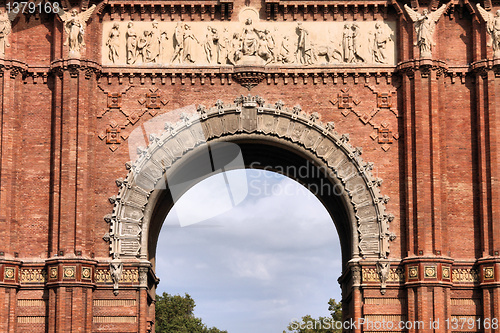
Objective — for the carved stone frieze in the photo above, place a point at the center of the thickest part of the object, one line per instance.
(33, 276)
(249, 115)
(464, 275)
(248, 42)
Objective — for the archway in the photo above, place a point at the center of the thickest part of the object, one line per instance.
(265, 135)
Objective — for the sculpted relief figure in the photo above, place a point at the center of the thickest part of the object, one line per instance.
(188, 44)
(113, 43)
(154, 41)
(5, 29)
(356, 44)
(74, 25)
(178, 40)
(492, 28)
(347, 44)
(304, 47)
(131, 44)
(234, 51)
(209, 44)
(380, 40)
(425, 25)
(250, 42)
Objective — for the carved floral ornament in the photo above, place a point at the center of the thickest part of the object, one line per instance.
(247, 115)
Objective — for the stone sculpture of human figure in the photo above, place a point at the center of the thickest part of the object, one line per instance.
(224, 46)
(178, 40)
(132, 40)
(380, 40)
(347, 44)
(304, 47)
(234, 51)
(356, 45)
(209, 45)
(74, 25)
(250, 40)
(285, 51)
(113, 43)
(5, 29)
(270, 45)
(492, 28)
(142, 45)
(188, 44)
(154, 43)
(425, 24)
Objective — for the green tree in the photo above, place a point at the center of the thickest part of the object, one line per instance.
(309, 324)
(174, 314)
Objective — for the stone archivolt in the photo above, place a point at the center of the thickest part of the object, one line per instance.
(253, 116)
(248, 42)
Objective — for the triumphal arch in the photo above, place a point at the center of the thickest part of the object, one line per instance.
(112, 109)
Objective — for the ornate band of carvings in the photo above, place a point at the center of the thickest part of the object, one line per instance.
(249, 115)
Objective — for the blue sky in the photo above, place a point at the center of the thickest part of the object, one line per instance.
(254, 266)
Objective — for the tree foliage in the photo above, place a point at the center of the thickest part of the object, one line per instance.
(174, 314)
(309, 324)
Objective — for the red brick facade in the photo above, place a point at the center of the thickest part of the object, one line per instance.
(434, 141)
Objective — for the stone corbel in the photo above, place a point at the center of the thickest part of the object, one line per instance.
(383, 269)
(116, 270)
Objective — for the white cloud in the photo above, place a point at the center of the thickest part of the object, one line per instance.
(270, 259)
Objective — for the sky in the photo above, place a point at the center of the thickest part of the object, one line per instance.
(254, 255)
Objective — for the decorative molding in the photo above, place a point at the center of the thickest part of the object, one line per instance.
(464, 275)
(114, 134)
(372, 222)
(32, 319)
(114, 320)
(32, 302)
(394, 275)
(383, 133)
(115, 302)
(33, 276)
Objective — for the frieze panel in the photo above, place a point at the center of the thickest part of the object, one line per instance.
(464, 275)
(33, 276)
(250, 41)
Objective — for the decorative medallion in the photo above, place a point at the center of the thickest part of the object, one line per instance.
(446, 273)
(489, 273)
(53, 273)
(10, 273)
(87, 273)
(69, 272)
(430, 272)
(413, 273)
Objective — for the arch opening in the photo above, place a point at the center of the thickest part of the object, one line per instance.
(267, 136)
(273, 257)
(268, 155)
